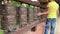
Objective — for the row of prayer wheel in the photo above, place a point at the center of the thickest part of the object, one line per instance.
(12, 15)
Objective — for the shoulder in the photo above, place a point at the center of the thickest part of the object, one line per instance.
(57, 4)
(48, 5)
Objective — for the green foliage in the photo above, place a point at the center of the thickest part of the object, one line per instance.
(17, 25)
(25, 5)
(1, 31)
(15, 3)
(31, 6)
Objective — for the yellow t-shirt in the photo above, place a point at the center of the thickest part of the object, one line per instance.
(53, 9)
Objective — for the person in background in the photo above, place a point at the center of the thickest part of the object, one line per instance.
(53, 11)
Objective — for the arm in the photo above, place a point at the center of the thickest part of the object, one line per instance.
(58, 12)
(47, 12)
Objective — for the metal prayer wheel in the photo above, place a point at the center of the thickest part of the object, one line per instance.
(38, 9)
(23, 15)
(9, 18)
(35, 13)
(0, 13)
(30, 15)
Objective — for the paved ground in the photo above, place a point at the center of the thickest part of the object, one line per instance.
(57, 31)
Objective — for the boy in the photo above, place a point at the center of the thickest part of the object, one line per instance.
(51, 17)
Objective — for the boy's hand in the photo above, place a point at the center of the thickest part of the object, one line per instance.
(39, 14)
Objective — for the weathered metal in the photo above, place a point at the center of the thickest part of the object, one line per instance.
(2, 20)
(0, 11)
(9, 18)
(23, 15)
(30, 15)
(11, 11)
(17, 16)
(35, 13)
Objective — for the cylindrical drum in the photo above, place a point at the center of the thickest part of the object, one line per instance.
(3, 20)
(23, 15)
(30, 15)
(35, 13)
(9, 18)
(17, 15)
(0, 13)
(0, 21)
(42, 17)
(38, 9)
